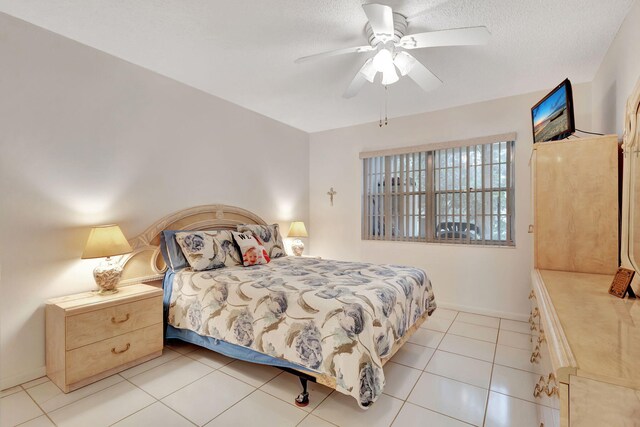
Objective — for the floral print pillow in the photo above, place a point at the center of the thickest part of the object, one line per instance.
(206, 250)
(268, 236)
(253, 253)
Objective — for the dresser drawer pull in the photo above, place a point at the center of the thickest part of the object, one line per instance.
(535, 355)
(532, 295)
(543, 386)
(114, 351)
(551, 392)
(114, 321)
(539, 387)
(554, 389)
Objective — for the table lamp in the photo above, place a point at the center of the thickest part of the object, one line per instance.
(297, 230)
(106, 241)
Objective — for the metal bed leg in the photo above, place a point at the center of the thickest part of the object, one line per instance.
(303, 398)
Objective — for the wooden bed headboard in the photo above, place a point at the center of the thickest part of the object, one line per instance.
(145, 264)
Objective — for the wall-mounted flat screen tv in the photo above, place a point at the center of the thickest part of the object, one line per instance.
(552, 117)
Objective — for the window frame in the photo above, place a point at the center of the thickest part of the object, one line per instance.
(390, 202)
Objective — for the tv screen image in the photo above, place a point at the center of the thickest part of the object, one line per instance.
(553, 115)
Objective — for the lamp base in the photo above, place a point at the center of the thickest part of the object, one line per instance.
(297, 247)
(107, 275)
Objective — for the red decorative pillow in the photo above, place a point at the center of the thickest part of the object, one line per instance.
(253, 253)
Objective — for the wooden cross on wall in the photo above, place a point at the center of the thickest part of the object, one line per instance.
(331, 193)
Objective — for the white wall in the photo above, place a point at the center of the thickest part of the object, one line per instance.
(86, 138)
(617, 76)
(479, 279)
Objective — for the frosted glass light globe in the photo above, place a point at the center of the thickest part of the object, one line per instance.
(382, 60)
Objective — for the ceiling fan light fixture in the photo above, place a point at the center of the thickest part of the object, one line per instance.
(389, 76)
(368, 71)
(382, 60)
(404, 62)
(386, 32)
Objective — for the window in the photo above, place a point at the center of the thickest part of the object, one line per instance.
(457, 194)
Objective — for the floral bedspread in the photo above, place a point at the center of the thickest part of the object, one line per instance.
(336, 318)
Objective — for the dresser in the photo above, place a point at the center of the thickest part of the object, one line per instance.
(585, 342)
(91, 336)
(586, 348)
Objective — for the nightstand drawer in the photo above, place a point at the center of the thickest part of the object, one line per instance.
(97, 325)
(95, 358)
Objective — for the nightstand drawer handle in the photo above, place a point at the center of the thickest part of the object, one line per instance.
(114, 351)
(113, 319)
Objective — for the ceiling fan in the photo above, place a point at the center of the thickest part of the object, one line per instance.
(386, 32)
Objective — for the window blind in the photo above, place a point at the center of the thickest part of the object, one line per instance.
(460, 194)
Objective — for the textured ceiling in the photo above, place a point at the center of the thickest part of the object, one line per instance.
(243, 50)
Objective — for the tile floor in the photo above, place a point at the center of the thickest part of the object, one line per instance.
(460, 369)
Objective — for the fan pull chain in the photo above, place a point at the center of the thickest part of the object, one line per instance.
(386, 102)
(380, 121)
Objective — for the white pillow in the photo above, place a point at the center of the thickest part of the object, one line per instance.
(253, 253)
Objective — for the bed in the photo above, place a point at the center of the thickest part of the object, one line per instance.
(333, 322)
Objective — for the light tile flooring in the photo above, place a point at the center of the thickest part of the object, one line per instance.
(460, 369)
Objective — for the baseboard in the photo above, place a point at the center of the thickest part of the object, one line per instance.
(22, 378)
(493, 313)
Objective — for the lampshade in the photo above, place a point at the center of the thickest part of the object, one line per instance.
(297, 229)
(106, 241)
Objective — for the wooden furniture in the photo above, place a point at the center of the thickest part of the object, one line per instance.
(587, 349)
(586, 342)
(145, 263)
(576, 205)
(91, 336)
(630, 242)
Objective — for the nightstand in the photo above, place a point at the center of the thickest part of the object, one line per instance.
(91, 336)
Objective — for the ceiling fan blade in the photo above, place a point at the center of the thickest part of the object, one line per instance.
(421, 75)
(366, 73)
(433, 4)
(381, 20)
(454, 37)
(355, 86)
(357, 49)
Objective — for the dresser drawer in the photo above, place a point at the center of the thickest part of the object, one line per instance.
(97, 325)
(95, 358)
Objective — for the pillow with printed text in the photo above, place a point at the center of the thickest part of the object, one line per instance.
(268, 236)
(253, 253)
